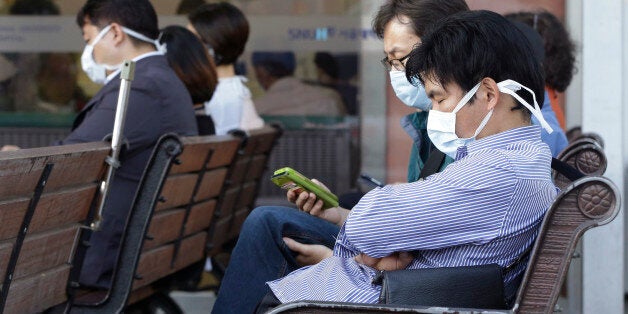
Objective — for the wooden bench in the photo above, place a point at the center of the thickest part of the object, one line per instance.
(45, 197)
(584, 155)
(586, 203)
(241, 188)
(211, 187)
(170, 217)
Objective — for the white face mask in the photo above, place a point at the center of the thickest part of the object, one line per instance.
(441, 126)
(413, 96)
(98, 72)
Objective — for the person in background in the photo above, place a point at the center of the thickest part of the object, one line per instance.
(559, 63)
(45, 82)
(287, 95)
(224, 30)
(329, 74)
(158, 103)
(58, 91)
(194, 66)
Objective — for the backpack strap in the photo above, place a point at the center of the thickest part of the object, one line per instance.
(433, 163)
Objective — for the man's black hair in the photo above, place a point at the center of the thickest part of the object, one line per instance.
(422, 13)
(469, 46)
(138, 15)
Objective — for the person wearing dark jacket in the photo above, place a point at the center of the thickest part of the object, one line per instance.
(158, 103)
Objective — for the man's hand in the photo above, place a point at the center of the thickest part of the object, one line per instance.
(9, 148)
(309, 203)
(395, 261)
(308, 254)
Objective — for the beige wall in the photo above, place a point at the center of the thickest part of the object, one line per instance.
(259, 7)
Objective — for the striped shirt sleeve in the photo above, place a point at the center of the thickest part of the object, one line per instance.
(462, 205)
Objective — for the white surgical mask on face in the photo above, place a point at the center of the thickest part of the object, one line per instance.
(98, 72)
(441, 126)
(413, 96)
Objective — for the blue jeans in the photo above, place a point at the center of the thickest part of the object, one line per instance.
(261, 255)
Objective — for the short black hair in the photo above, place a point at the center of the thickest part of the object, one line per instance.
(422, 13)
(224, 28)
(469, 46)
(138, 15)
(278, 64)
(327, 63)
(190, 60)
(560, 59)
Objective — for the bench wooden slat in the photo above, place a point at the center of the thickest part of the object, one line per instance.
(196, 149)
(220, 234)
(257, 166)
(239, 171)
(11, 215)
(41, 251)
(53, 210)
(154, 264)
(23, 168)
(41, 291)
(227, 152)
(200, 217)
(261, 141)
(164, 227)
(211, 184)
(177, 191)
(194, 248)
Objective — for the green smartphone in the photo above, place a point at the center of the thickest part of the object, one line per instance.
(288, 178)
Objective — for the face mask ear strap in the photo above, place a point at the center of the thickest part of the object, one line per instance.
(100, 35)
(141, 37)
(161, 47)
(483, 123)
(509, 87)
(465, 99)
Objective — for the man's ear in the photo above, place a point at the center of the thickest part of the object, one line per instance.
(489, 88)
(118, 33)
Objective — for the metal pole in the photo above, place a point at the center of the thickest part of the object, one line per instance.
(126, 77)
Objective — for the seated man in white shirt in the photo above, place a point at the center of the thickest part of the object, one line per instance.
(486, 207)
(287, 95)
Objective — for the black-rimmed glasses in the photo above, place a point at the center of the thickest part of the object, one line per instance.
(397, 64)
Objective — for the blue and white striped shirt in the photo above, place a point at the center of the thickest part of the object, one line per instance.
(484, 208)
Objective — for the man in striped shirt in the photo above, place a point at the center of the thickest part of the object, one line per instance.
(486, 207)
(274, 240)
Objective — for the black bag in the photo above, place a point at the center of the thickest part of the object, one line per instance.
(463, 287)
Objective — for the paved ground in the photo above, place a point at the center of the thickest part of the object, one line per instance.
(194, 302)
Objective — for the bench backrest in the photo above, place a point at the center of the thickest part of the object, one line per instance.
(589, 202)
(171, 214)
(241, 188)
(179, 226)
(45, 196)
(584, 155)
